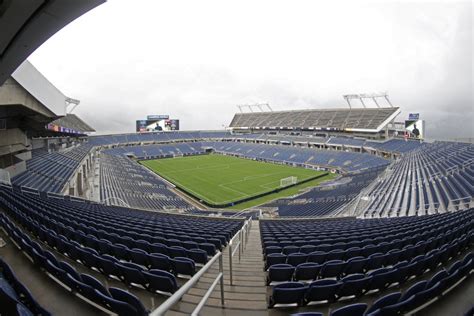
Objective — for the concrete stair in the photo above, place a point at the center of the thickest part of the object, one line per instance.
(248, 292)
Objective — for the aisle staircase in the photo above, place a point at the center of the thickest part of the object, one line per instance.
(248, 292)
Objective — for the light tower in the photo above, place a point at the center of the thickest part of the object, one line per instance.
(68, 103)
(362, 96)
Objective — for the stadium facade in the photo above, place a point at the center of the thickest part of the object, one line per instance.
(86, 228)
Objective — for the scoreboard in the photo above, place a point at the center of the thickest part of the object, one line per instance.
(414, 127)
(154, 123)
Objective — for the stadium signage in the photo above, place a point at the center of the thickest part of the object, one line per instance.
(61, 129)
(413, 116)
(157, 117)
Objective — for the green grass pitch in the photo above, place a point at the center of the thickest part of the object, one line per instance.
(219, 179)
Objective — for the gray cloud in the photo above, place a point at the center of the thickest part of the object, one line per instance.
(197, 64)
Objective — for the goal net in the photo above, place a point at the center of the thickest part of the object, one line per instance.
(288, 181)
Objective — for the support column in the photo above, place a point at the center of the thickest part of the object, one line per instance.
(79, 184)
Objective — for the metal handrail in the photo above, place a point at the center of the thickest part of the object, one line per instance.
(116, 198)
(243, 238)
(219, 278)
(231, 255)
(166, 305)
(462, 203)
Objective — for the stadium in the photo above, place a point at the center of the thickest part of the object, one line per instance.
(321, 211)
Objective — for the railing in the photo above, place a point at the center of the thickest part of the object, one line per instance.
(468, 162)
(459, 203)
(25, 189)
(109, 201)
(242, 235)
(166, 305)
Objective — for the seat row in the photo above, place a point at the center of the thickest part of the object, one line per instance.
(348, 227)
(123, 221)
(423, 291)
(15, 298)
(74, 242)
(84, 251)
(144, 242)
(373, 259)
(317, 245)
(339, 269)
(105, 227)
(198, 253)
(329, 290)
(84, 286)
(341, 233)
(159, 277)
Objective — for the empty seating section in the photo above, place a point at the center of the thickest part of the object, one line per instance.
(418, 219)
(348, 161)
(326, 200)
(124, 180)
(317, 261)
(356, 142)
(50, 171)
(158, 151)
(305, 119)
(116, 300)
(15, 298)
(395, 145)
(281, 138)
(123, 225)
(154, 137)
(392, 145)
(144, 249)
(436, 178)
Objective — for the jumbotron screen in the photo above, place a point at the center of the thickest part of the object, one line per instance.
(415, 129)
(155, 123)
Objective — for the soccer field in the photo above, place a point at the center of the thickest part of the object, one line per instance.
(219, 179)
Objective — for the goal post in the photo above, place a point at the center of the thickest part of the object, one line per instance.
(288, 181)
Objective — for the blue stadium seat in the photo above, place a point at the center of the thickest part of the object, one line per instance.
(322, 290)
(306, 271)
(162, 281)
(182, 265)
(387, 300)
(287, 293)
(274, 258)
(280, 272)
(130, 299)
(353, 285)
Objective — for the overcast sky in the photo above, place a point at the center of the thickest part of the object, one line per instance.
(196, 60)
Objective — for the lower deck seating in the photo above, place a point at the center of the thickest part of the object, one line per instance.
(51, 171)
(325, 200)
(435, 178)
(142, 249)
(310, 262)
(124, 180)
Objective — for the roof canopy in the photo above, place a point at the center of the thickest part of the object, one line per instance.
(26, 24)
(73, 122)
(355, 120)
